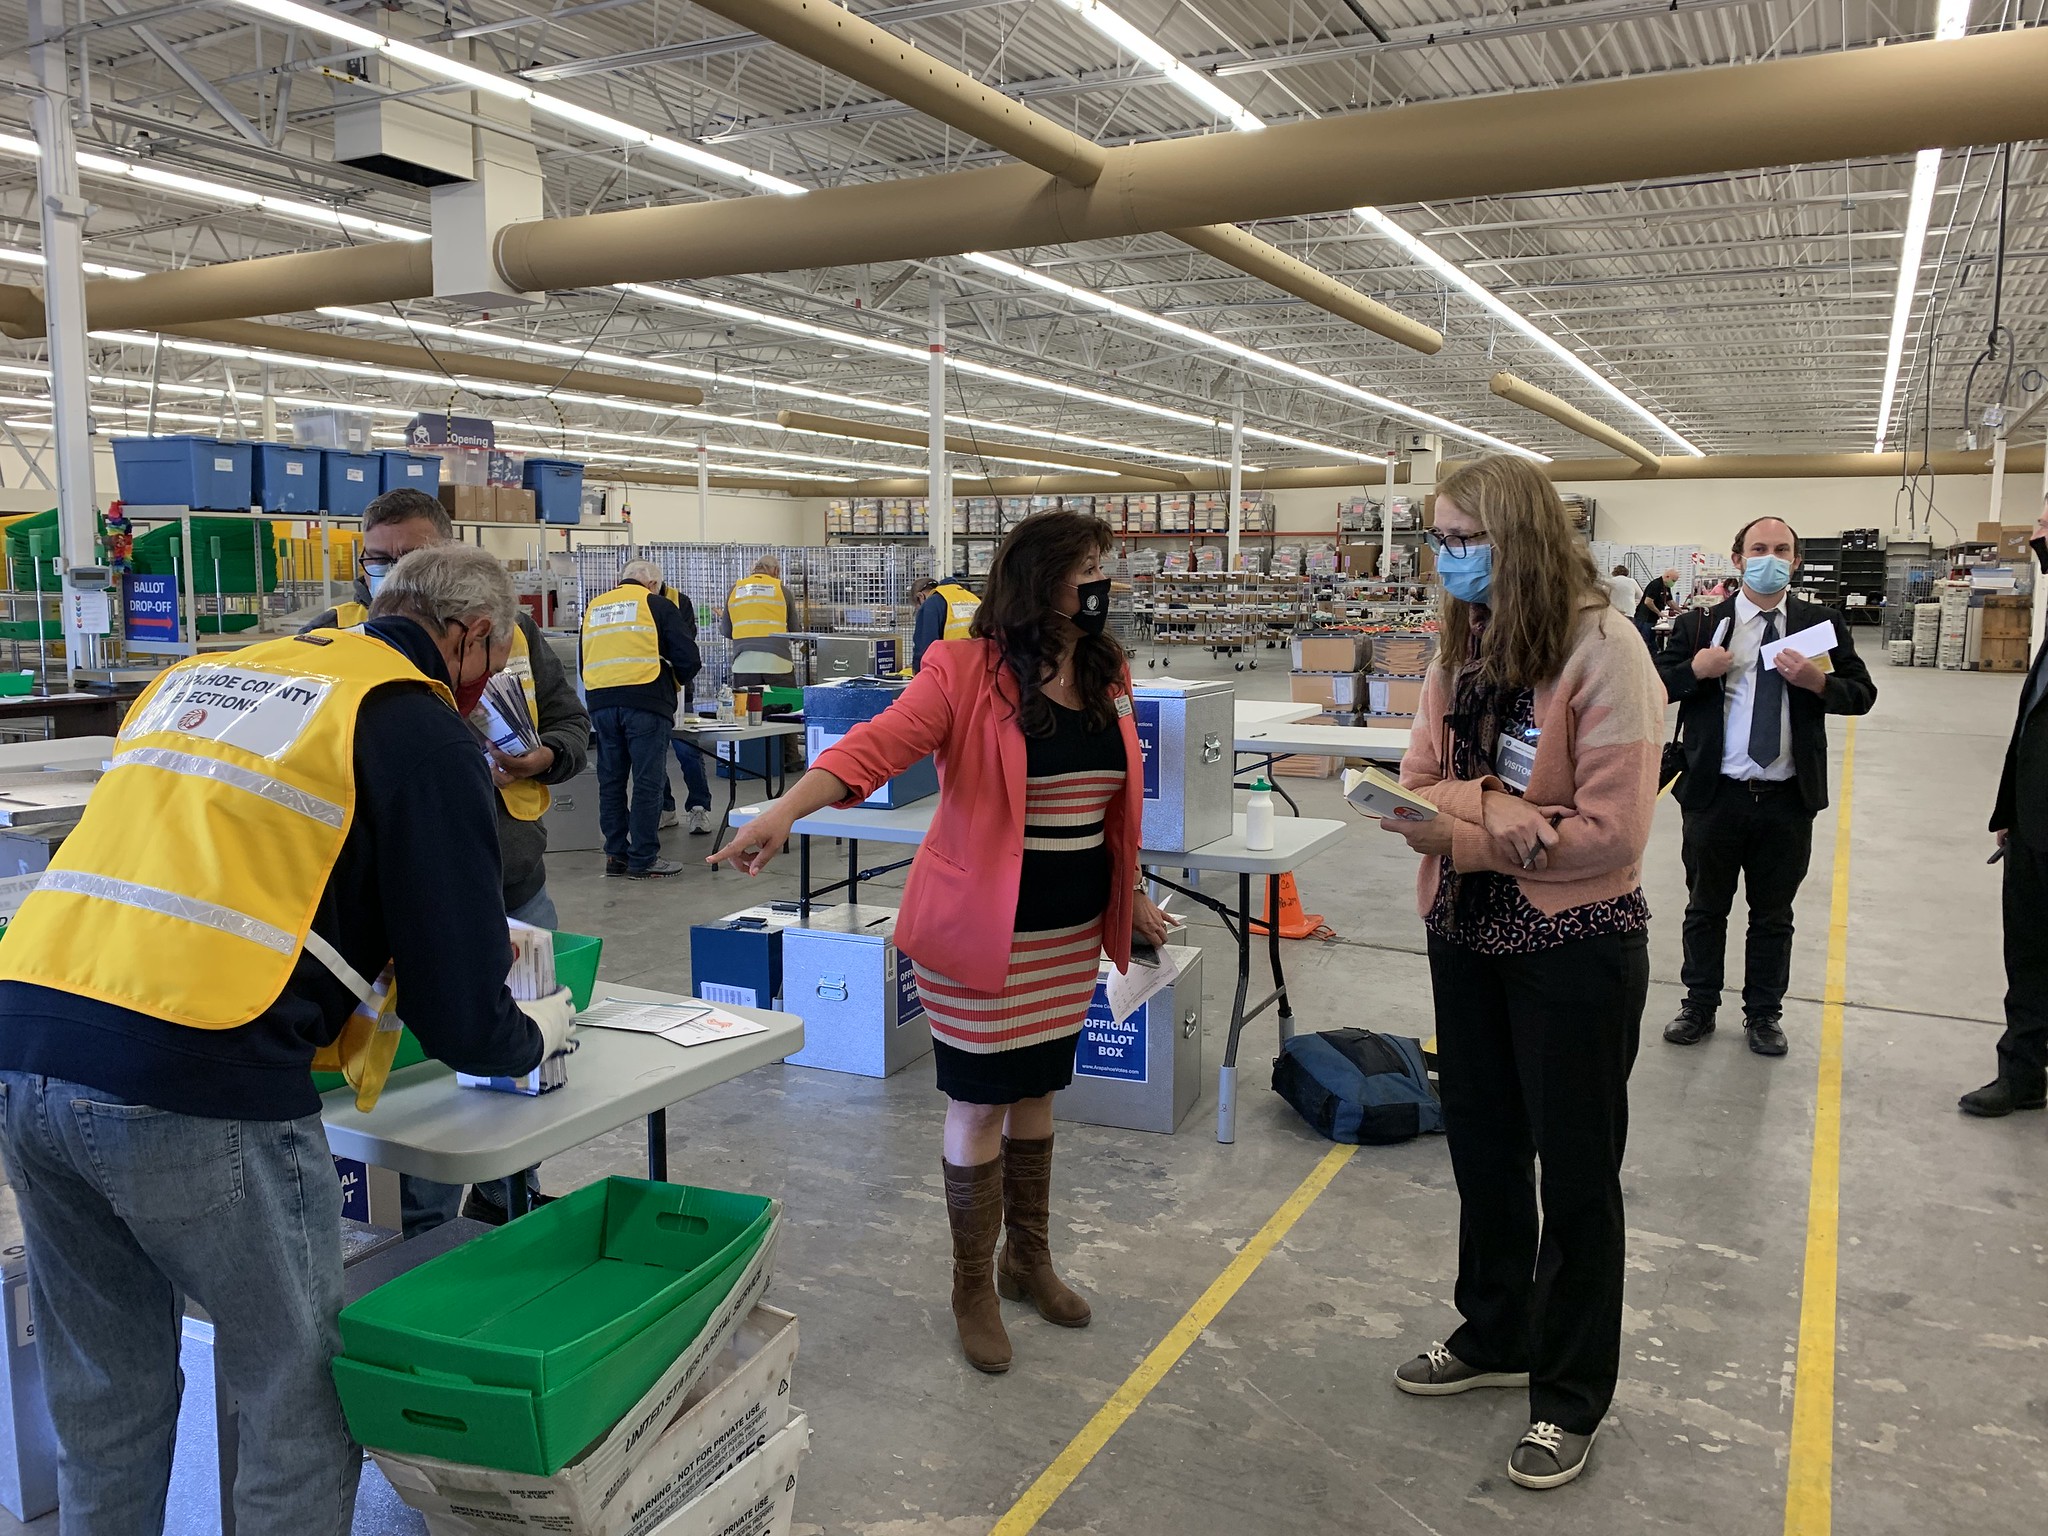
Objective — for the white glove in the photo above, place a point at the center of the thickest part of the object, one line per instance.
(554, 1016)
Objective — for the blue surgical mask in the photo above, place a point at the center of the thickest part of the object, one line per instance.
(1467, 577)
(373, 578)
(1765, 574)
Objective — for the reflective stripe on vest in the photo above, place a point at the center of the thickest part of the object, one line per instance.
(525, 799)
(960, 606)
(758, 606)
(190, 883)
(620, 646)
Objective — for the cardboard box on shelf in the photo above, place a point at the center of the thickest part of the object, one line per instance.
(1329, 690)
(2012, 543)
(1359, 559)
(469, 503)
(1989, 533)
(512, 504)
(1332, 653)
(1395, 695)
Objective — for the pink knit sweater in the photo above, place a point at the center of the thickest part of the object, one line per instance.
(1602, 724)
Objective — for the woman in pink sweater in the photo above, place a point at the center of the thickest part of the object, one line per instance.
(1537, 739)
(1028, 875)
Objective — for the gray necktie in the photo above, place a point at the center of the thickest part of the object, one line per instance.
(1768, 705)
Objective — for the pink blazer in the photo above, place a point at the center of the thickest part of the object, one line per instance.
(960, 903)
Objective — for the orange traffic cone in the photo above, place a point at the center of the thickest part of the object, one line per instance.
(1294, 923)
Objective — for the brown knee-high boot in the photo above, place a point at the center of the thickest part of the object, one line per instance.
(1025, 1270)
(974, 1206)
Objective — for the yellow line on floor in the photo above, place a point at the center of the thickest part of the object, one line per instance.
(1810, 1474)
(1040, 1497)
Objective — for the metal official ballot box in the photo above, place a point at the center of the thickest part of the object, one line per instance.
(856, 991)
(1142, 1073)
(1187, 732)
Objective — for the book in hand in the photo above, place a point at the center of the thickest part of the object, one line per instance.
(1375, 792)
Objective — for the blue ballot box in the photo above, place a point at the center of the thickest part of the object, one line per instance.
(738, 958)
(833, 709)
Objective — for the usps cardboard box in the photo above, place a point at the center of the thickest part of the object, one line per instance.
(593, 1486)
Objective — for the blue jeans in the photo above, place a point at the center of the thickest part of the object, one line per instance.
(632, 747)
(698, 788)
(129, 1210)
(424, 1204)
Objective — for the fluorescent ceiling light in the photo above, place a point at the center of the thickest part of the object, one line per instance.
(1190, 83)
(22, 258)
(426, 62)
(203, 189)
(1951, 21)
(1466, 284)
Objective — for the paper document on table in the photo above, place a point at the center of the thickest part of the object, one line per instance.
(640, 1018)
(714, 1026)
(1128, 991)
(1814, 642)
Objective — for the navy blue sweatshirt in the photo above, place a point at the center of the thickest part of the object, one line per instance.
(417, 883)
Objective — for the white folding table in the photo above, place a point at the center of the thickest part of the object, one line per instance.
(1296, 840)
(705, 736)
(1285, 738)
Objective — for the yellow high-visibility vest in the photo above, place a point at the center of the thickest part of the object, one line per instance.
(620, 646)
(960, 606)
(188, 889)
(525, 799)
(758, 606)
(350, 615)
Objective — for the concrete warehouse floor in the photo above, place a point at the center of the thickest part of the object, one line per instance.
(1280, 1417)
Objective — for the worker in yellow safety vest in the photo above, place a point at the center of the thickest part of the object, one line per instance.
(756, 620)
(394, 525)
(945, 611)
(292, 838)
(637, 655)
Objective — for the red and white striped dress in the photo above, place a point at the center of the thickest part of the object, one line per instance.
(1072, 776)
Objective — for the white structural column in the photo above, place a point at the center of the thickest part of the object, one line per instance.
(703, 490)
(939, 476)
(1234, 511)
(1387, 522)
(63, 219)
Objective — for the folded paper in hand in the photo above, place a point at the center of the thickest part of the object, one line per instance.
(1814, 642)
(507, 725)
(1375, 792)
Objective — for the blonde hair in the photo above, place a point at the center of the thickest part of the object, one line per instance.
(1543, 575)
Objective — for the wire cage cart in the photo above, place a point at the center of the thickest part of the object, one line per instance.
(1909, 577)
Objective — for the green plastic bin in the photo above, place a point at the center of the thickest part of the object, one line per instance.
(558, 1321)
(576, 957)
(161, 551)
(24, 557)
(424, 1413)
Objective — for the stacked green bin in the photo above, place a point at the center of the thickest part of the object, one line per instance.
(32, 544)
(522, 1348)
(161, 551)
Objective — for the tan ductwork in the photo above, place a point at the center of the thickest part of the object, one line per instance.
(832, 36)
(1308, 477)
(387, 354)
(1789, 466)
(1544, 403)
(1853, 105)
(840, 426)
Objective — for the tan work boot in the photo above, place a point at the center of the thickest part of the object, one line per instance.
(1025, 1272)
(974, 1206)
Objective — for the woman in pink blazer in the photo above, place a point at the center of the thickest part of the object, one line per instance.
(1028, 875)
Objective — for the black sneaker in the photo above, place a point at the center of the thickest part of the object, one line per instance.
(615, 866)
(1549, 1457)
(1765, 1038)
(2003, 1096)
(478, 1206)
(660, 869)
(1692, 1025)
(1438, 1373)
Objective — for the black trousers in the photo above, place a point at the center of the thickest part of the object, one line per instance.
(1533, 1057)
(2023, 1049)
(1764, 841)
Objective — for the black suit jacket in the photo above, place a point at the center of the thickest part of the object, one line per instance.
(2022, 806)
(1702, 708)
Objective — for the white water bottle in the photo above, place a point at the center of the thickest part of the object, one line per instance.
(1258, 817)
(725, 705)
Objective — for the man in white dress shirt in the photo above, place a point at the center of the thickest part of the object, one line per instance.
(1756, 774)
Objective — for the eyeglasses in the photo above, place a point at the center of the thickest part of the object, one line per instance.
(1454, 543)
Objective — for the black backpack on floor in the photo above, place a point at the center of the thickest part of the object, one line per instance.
(1352, 1085)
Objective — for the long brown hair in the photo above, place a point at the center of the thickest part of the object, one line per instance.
(1018, 612)
(1543, 575)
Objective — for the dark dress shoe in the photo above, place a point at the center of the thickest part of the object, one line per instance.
(1765, 1038)
(1692, 1025)
(2004, 1096)
(615, 866)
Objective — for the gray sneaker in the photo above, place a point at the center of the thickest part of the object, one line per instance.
(1548, 1457)
(1438, 1373)
(660, 869)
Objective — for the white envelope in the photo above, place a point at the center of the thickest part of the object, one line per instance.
(1813, 642)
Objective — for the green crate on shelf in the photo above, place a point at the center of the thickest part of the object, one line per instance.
(32, 553)
(161, 551)
(534, 1338)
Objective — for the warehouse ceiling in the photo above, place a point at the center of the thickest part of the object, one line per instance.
(1738, 313)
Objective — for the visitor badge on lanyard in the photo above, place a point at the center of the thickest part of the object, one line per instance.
(1514, 756)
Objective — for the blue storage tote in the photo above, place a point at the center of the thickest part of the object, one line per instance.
(416, 471)
(184, 471)
(831, 710)
(349, 482)
(286, 478)
(557, 486)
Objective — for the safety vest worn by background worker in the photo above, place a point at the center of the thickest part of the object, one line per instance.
(525, 799)
(189, 886)
(758, 606)
(620, 645)
(960, 606)
(350, 615)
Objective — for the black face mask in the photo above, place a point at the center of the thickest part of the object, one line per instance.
(2040, 548)
(1093, 614)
